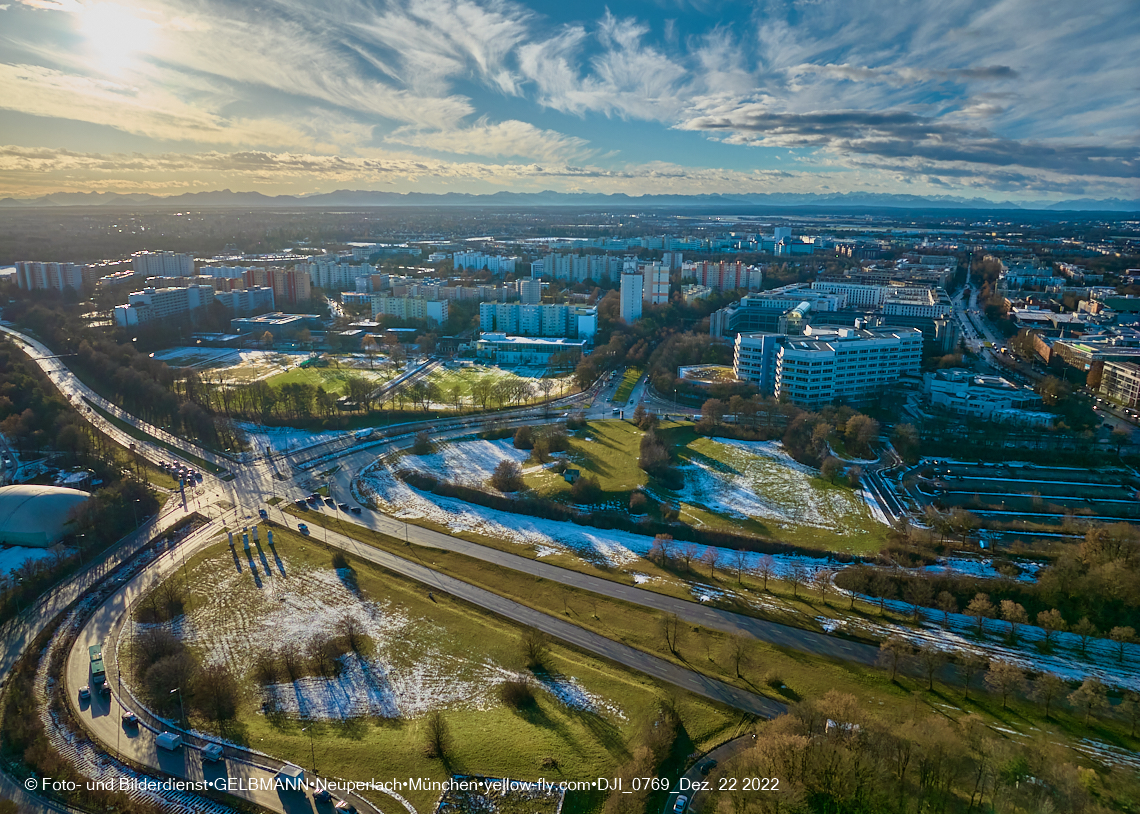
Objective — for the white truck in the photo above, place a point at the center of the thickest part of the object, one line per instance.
(169, 741)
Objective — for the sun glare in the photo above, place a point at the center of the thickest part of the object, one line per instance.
(115, 33)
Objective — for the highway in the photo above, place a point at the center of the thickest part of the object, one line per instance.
(251, 481)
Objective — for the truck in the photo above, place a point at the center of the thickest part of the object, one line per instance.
(98, 671)
(169, 741)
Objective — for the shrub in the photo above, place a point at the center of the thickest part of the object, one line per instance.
(586, 490)
(516, 694)
(524, 438)
(638, 503)
(507, 477)
(576, 422)
(774, 680)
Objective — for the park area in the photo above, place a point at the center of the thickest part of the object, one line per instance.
(232, 366)
(750, 487)
(367, 660)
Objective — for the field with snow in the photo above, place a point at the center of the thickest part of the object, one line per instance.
(12, 558)
(282, 439)
(244, 606)
(758, 481)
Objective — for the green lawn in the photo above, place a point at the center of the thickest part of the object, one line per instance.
(495, 740)
(804, 676)
(632, 374)
(331, 378)
(800, 508)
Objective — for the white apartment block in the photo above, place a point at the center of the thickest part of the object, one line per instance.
(578, 269)
(632, 294)
(409, 308)
(245, 301)
(163, 264)
(538, 320)
(828, 364)
(32, 276)
(477, 261)
(152, 304)
(336, 276)
(227, 272)
(655, 288)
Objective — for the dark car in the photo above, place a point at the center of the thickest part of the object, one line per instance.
(130, 719)
(322, 795)
(707, 766)
(314, 498)
(330, 502)
(301, 527)
(300, 504)
(356, 510)
(264, 515)
(343, 507)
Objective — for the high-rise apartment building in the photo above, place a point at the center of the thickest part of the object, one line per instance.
(530, 291)
(409, 308)
(163, 264)
(538, 320)
(655, 288)
(632, 293)
(32, 276)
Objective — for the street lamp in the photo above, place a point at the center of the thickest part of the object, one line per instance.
(181, 708)
(312, 749)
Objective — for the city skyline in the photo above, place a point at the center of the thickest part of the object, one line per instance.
(1006, 101)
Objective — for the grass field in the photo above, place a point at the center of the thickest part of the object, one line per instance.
(803, 676)
(629, 379)
(332, 379)
(737, 486)
(438, 653)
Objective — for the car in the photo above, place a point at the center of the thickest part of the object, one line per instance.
(343, 507)
(322, 795)
(304, 529)
(105, 689)
(707, 766)
(356, 510)
(264, 515)
(300, 504)
(330, 502)
(130, 719)
(314, 498)
(344, 805)
(212, 752)
(680, 804)
(84, 691)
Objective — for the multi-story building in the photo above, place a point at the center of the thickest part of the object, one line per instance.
(32, 276)
(827, 365)
(228, 272)
(632, 295)
(655, 289)
(278, 325)
(692, 293)
(500, 348)
(336, 276)
(725, 275)
(478, 261)
(579, 268)
(1120, 382)
(153, 304)
(409, 308)
(538, 320)
(990, 398)
(244, 301)
(530, 291)
(163, 264)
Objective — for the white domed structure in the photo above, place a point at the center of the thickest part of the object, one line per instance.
(37, 516)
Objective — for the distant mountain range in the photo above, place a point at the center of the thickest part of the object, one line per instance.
(362, 198)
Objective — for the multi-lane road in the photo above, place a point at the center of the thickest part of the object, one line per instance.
(246, 486)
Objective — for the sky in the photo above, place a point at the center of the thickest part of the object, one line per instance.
(999, 99)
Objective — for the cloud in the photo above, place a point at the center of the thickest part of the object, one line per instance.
(508, 139)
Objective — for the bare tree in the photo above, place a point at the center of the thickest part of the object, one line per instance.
(1014, 614)
(737, 651)
(931, 659)
(1085, 630)
(535, 647)
(688, 553)
(671, 630)
(1090, 698)
(739, 561)
(980, 609)
(917, 594)
(1052, 623)
(349, 627)
(1122, 636)
(884, 588)
(711, 558)
(971, 664)
(1046, 689)
(766, 568)
(893, 652)
(948, 605)
(1004, 678)
(797, 575)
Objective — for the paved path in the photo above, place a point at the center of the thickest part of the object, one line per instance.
(692, 783)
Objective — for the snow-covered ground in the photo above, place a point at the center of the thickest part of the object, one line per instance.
(467, 462)
(414, 667)
(282, 439)
(610, 547)
(254, 364)
(14, 557)
(758, 479)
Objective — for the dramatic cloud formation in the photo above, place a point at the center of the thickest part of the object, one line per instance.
(1009, 98)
